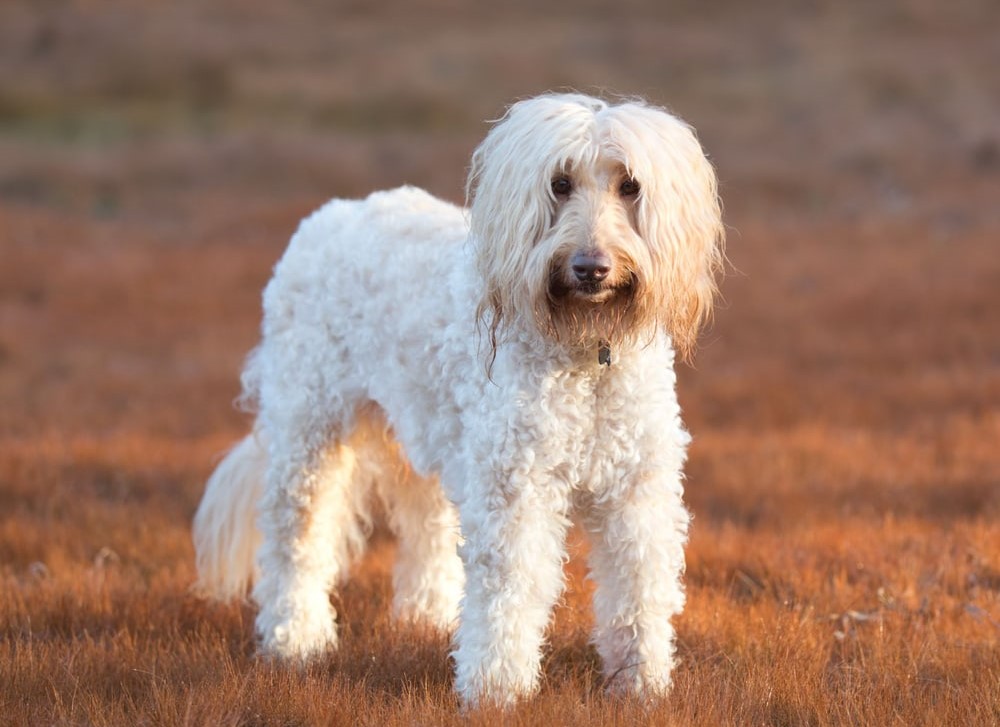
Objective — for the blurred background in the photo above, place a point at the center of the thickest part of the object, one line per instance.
(155, 158)
(842, 109)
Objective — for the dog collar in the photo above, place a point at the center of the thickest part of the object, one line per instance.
(604, 354)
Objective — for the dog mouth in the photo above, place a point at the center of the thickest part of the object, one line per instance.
(593, 292)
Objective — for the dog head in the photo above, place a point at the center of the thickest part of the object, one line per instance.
(595, 223)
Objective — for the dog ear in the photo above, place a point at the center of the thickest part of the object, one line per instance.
(680, 217)
(509, 212)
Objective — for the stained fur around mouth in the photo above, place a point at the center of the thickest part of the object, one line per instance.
(578, 318)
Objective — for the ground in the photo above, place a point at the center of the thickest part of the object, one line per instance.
(844, 565)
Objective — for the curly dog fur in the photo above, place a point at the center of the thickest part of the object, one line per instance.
(491, 374)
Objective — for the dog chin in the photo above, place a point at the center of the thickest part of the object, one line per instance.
(581, 316)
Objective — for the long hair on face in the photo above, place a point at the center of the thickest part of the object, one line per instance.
(678, 215)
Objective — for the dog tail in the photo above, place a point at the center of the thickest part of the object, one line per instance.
(225, 529)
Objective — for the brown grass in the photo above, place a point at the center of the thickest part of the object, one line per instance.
(844, 566)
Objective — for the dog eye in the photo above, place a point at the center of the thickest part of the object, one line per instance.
(629, 188)
(561, 186)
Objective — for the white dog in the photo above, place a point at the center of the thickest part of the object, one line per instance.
(513, 361)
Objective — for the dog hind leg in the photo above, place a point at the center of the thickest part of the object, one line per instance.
(314, 523)
(428, 577)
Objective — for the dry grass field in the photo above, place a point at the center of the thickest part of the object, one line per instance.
(844, 564)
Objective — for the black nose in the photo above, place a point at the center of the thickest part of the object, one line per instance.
(591, 267)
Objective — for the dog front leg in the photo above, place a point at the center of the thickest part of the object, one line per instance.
(513, 555)
(637, 562)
